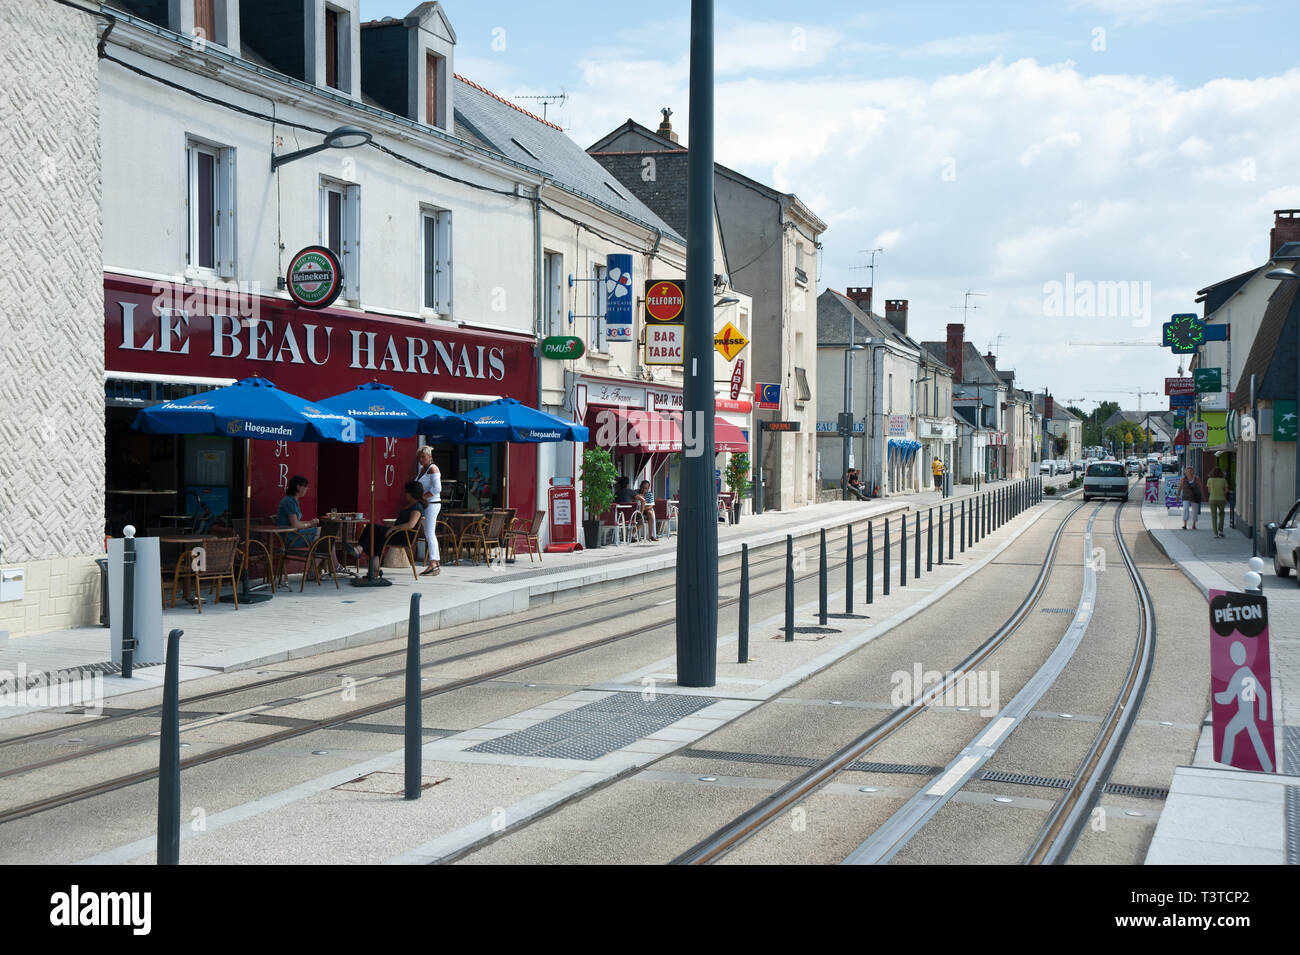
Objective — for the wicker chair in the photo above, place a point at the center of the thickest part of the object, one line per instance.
(404, 540)
(475, 539)
(320, 552)
(529, 535)
(445, 534)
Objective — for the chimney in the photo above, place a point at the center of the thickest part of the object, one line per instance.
(1049, 407)
(1286, 228)
(666, 127)
(992, 359)
(956, 348)
(861, 297)
(896, 313)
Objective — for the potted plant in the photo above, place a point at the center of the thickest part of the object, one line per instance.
(598, 476)
(737, 478)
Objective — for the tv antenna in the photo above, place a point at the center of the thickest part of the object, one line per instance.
(966, 306)
(995, 346)
(546, 99)
(870, 265)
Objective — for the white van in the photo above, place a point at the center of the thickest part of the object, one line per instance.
(1105, 479)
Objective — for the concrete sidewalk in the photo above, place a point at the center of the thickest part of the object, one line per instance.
(1216, 814)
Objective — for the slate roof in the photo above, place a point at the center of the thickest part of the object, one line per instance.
(484, 117)
(1273, 353)
(1215, 295)
(834, 311)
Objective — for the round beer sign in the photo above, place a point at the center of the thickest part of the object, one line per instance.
(665, 300)
(315, 277)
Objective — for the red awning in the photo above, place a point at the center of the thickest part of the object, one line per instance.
(726, 436)
(634, 430)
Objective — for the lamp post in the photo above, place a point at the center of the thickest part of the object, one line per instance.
(697, 543)
(1287, 275)
(848, 404)
(344, 137)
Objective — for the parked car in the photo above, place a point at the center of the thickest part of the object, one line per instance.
(1286, 545)
(1105, 479)
(1047, 466)
(1132, 466)
(1079, 465)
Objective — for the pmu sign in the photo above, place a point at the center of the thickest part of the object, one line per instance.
(1241, 681)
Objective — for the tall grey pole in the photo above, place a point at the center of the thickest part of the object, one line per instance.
(697, 544)
(1254, 474)
(848, 408)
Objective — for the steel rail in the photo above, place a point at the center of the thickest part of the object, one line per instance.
(729, 836)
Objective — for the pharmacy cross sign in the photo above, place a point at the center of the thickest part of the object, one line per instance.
(1183, 333)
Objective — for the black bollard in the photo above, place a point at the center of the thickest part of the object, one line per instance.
(414, 705)
(929, 539)
(885, 550)
(963, 527)
(902, 555)
(169, 758)
(789, 589)
(848, 574)
(871, 563)
(742, 653)
(821, 581)
(940, 535)
(916, 559)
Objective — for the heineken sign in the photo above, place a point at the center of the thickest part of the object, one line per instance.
(562, 347)
(315, 277)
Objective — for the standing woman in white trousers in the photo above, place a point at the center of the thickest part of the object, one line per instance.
(430, 479)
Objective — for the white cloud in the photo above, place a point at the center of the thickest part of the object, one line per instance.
(972, 44)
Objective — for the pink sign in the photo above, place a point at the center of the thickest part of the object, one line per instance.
(1241, 681)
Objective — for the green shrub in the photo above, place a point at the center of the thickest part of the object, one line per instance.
(598, 477)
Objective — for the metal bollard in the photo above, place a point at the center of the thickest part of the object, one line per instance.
(128, 600)
(916, 559)
(789, 589)
(871, 563)
(950, 533)
(821, 581)
(414, 705)
(929, 540)
(885, 550)
(963, 527)
(169, 758)
(848, 574)
(940, 535)
(742, 653)
(902, 555)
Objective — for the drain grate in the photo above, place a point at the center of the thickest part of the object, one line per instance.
(1292, 825)
(1139, 792)
(591, 731)
(847, 616)
(904, 768)
(1024, 779)
(80, 672)
(822, 630)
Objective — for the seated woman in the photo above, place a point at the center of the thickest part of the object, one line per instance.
(289, 514)
(408, 518)
(645, 502)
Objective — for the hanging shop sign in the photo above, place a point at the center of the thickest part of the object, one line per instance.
(898, 424)
(1208, 380)
(737, 379)
(1181, 401)
(1217, 401)
(769, 396)
(618, 297)
(562, 347)
(729, 342)
(665, 300)
(1180, 386)
(1183, 333)
(664, 344)
(787, 426)
(315, 277)
(1284, 419)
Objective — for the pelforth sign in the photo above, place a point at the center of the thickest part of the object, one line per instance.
(618, 297)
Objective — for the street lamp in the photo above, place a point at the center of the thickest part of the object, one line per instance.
(1284, 275)
(848, 403)
(344, 137)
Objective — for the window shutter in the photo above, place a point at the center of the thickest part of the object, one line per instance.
(351, 242)
(443, 246)
(226, 220)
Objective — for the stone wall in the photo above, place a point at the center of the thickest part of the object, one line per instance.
(51, 316)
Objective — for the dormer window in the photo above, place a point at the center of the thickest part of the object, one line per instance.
(205, 19)
(331, 48)
(432, 87)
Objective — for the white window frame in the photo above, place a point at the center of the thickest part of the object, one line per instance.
(442, 285)
(223, 213)
(349, 232)
(556, 323)
(599, 303)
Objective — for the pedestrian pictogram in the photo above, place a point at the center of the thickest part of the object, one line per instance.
(1241, 681)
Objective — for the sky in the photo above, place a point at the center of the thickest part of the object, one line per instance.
(1084, 166)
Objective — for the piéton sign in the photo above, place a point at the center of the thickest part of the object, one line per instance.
(665, 300)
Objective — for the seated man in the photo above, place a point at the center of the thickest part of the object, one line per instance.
(853, 483)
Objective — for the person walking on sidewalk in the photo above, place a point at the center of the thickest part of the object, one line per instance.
(1217, 486)
(1189, 489)
(936, 469)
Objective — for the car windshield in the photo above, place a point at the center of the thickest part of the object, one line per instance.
(1106, 469)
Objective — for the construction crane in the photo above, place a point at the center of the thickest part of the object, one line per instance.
(1138, 393)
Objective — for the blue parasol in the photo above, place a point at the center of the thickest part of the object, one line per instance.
(507, 420)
